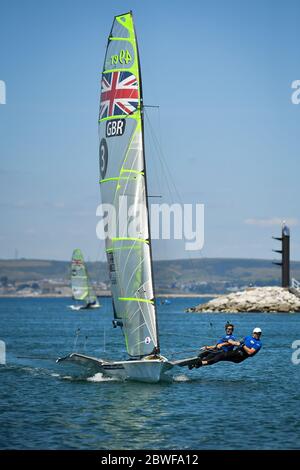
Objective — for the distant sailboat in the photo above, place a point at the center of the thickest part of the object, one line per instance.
(165, 302)
(123, 174)
(81, 286)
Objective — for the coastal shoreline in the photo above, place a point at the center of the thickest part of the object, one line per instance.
(108, 294)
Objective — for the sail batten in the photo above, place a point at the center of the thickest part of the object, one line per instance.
(122, 177)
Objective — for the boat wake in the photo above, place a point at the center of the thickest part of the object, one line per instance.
(99, 377)
(181, 378)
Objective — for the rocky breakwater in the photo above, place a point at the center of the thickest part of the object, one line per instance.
(256, 299)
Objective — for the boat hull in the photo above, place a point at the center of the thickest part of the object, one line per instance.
(80, 307)
(143, 370)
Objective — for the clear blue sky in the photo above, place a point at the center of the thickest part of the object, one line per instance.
(221, 72)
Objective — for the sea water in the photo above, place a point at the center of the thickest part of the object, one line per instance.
(44, 405)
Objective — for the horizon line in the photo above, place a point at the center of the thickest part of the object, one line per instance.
(154, 260)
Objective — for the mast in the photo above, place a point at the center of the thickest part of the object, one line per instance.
(157, 349)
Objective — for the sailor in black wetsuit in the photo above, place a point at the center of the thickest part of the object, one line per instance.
(248, 347)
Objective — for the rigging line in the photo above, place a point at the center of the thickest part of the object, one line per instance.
(162, 157)
(160, 147)
(153, 325)
(157, 151)
(77, 333)
(85, 341)
(150, 143)
(141, 287)
(166, 180)
(168, 175)
(134, 271)
(50, 358)
(186, 350)
(151, 331)
(138, 327)
(141, 342)
(131, 317)
(165, 165)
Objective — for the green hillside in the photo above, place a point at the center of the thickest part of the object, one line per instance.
(198, 275)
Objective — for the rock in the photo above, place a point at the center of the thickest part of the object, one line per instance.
(254, 299)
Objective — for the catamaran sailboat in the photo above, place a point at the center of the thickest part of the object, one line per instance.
(123, 176)
(82, 289)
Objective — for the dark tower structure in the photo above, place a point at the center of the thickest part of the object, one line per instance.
(285, 255)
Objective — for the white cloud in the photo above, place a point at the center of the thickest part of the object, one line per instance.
(291, 222)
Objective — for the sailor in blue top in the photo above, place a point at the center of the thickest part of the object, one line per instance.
(248, 347)
(252, 342)
(225, 344)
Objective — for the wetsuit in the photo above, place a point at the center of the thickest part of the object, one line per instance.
(237, 355)
(210, 353)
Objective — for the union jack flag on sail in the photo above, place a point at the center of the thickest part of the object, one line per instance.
(119, 94)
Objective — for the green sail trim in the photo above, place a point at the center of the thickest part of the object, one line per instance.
(112, 38)
(135, 299)
(125, 19)
(117, 248)
(141, 240)
(117, 178)
(123, 170)
(120, 116)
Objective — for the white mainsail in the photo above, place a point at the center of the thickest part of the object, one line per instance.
(123, 186)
